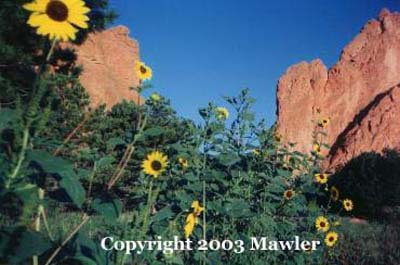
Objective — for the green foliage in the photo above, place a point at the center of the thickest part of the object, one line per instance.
(71, 175)
(373, 181)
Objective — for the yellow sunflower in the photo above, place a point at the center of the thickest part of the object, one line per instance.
(143, 71)
(155, 164)
(324, 122)
(255, 152)
(222, 113)
(288, 194)
(317, 148)
(348, 204)
(197, 209)
(334, 193)
(322, 224)
(58, 19)
(155, 97)
(321, 178)
(183, 162)
(331, 238)
(190, 223)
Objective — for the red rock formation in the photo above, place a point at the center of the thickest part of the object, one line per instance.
(377, 127)
(369, 66)
(108, 59)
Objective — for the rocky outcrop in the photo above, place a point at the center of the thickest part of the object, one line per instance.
(358, 95)
(377, 127)
(108, 60)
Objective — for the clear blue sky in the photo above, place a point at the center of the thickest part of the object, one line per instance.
(201, 50)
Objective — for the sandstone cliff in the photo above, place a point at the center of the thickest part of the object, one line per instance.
(108, 60)
(360, 95)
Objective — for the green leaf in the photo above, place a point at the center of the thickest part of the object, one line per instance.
(163, 214)
(228, 159)
(154, 131)
(63, 171)
(115, 141)
(108, 207)
(248, 116)
(6, 117)
(22, 244)
(105, 161)
(74, 189)
(238, 208)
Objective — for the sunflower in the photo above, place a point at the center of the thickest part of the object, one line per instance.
(317, 148)
(348, 204)
(155, 97)
(288, 194)
(143, 71)
(222, 113)
(324, 122)
(331, 238)
(192, 218)
(322, 224)
(183, 162)
(321, 178)
(197, 209)
(58, 19)
(190, 223)
(334, 193)
(256, 152)
(155, 164)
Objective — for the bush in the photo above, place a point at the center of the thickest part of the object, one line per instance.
(373, 181)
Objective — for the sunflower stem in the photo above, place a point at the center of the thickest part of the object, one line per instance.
(51, 51)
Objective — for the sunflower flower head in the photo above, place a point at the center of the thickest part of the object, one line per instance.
(324, 122)
(348, 205)
(155, 97)
(322, 224)
(317, 148)
(58, 19)
(288, 194)
(222, 113)
(256, 152)
(183, 162)
(143, 71)
(190, 223)
(321, 178)
(197, 209)
(331, 238)
(334, 193)
(155, 164)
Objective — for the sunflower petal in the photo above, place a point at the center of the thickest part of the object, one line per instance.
(37, 6)
(79, 21)
(37, 19)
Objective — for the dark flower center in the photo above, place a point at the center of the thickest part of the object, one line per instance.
(57, 10)
(143, 69)
(289, 194)
(331, 239)
(156, 165)
(322, 224)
